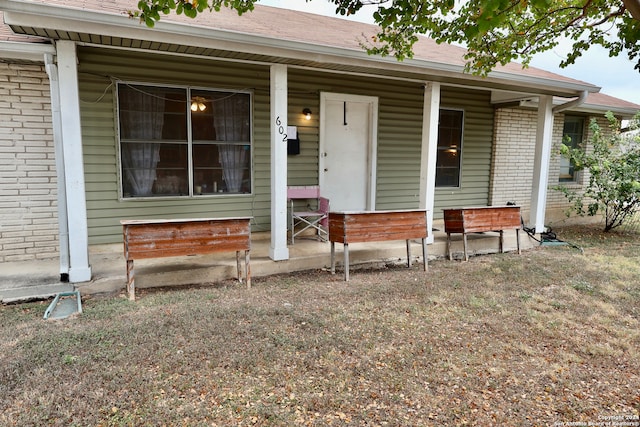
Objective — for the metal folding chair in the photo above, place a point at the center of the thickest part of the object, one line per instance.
(308, 218)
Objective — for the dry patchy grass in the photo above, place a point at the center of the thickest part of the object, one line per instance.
(550, 337)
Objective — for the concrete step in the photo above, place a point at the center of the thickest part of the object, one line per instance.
(37, 292)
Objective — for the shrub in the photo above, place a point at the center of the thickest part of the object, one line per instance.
(614, 173)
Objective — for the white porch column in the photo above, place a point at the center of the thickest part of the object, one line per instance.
(430, 118)
(544, 132)
(278, 249)
(79, 268)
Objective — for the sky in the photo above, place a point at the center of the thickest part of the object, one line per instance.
(615, 76)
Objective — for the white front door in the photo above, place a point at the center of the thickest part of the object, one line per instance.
(348, 136)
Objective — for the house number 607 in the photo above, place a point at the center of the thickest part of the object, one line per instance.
(281, 129)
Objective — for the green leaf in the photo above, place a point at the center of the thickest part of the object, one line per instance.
(494, 31)
(191, 12)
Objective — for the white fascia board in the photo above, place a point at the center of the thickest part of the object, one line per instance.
(25, 51)
(626, 113)
(587, 108)
(531, 81)
(41, 15)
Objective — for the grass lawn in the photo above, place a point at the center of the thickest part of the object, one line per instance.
(547, 338)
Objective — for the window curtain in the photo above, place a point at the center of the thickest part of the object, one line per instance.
(233, 159)
(141, 119)
(230, 122)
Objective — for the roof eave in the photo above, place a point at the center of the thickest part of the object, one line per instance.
(623, 112)
(25, 51)
(586, 108)
(38, 15)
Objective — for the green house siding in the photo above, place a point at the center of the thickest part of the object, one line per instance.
(399, 131)
(399, 149)
(98, 71)
(476, 149)
(399, 136)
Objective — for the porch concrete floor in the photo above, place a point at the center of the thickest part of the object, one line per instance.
(29, 280)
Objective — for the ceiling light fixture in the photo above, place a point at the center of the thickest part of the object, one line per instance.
(197, 104)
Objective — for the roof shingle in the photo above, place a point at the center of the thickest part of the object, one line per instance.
(295, 26)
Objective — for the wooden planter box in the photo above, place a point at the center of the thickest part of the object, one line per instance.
(481, 219)
(376, 226)
(179, 237)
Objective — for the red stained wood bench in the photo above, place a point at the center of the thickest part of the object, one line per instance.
(158, 238)
(481, 219)
(376, 226)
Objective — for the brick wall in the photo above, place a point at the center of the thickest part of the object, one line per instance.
(513, 157)
(556, 201)
(28, 205)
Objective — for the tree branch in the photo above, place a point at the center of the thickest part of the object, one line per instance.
(633, 6)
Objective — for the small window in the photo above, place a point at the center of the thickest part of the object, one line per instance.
(183, 142)
(449, 148)
(572, 135)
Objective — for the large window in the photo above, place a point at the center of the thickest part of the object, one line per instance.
(183, 141)
(572, 135)
(449, 148)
